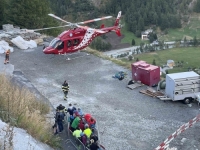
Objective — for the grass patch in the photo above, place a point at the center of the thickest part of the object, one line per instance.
(189, 31)
(189, 56)
(129, 36)
(101, 55)
(20, 108)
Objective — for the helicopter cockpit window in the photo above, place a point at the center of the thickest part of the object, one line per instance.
(55, 42)
(69, 43)
(76, 42)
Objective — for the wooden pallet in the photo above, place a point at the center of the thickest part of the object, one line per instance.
(135, 85)
(151, 92)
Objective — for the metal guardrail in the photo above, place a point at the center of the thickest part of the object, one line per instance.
(77, 140)
(70, 141)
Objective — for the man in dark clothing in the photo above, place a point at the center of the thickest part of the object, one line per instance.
(65, 88)
(60, 123)
(94, 146)
(58, 126)
(71, 109)
(61, 109)
(94, 137)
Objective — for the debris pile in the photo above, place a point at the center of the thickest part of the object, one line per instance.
(4, 46)
(11, 33)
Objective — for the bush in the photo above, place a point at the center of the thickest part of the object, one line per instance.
(21, 108)
(130, 57)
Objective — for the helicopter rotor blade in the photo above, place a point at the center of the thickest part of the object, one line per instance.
(33, 30)
(84, 22)
(86, 27)
(54, 16)
(93, 20)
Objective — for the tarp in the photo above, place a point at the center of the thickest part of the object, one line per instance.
(23, 44)
(119, 75)
(4, 46)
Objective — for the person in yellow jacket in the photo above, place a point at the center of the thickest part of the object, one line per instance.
(87, 131)
(77, 133)
(7, 56)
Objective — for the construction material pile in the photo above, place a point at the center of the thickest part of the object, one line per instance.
(22, 38)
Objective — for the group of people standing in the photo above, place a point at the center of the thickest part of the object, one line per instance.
(83, 128)
(81, 125)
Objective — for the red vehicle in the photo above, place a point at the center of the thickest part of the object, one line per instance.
(79, 36)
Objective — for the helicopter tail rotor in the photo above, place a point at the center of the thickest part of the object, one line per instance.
(118, 18)
(117, 24)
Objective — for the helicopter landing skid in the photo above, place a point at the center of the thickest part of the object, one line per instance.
(74, 56)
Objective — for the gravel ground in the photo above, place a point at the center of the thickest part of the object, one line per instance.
(127, 120)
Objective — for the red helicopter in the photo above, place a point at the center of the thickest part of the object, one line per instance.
(79, 37)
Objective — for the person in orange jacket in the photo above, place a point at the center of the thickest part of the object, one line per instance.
(7, 56)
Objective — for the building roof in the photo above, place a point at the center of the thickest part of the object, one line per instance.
(182, 75)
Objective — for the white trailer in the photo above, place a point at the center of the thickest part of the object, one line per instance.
(182, 86)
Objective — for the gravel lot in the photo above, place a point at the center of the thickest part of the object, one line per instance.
(127, 120)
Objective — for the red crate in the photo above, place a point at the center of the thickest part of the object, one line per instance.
(146, 73)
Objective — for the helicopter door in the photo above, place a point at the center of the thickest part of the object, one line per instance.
(76, 42)
(60, 46)
(69, 43)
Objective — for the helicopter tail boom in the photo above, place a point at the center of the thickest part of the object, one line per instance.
(118, 32)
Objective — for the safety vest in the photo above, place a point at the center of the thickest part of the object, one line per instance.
(65, 87)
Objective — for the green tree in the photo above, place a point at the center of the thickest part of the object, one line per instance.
(195, 41)
(31, 15)
(133, 42)
(185, 41)
(130, 57)
(197, 6)
(141, 24)
(154, 62)
(164, 22)
(2, 11)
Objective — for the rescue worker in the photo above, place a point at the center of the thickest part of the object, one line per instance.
(65, 88)
(59, 121)
(62, 110)
(7, 56)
